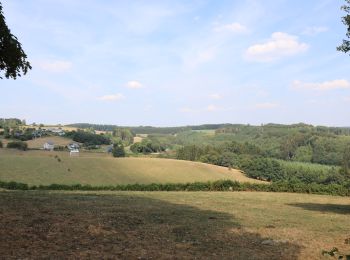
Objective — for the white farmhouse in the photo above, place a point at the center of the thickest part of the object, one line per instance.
(49, 146)
(74, 152)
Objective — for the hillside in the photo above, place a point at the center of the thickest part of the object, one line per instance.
(40, 167)
(57, 140)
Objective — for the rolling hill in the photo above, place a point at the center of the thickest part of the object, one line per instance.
(41, 167)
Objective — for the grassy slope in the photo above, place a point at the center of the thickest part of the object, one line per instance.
(167, 225)
(40, 167)
(57, 140)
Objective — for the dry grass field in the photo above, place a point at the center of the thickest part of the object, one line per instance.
(44, 167)
(171, 225)
(57, 140)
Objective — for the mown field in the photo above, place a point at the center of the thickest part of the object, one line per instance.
(57, 140)
(44, 167)
(171, 225)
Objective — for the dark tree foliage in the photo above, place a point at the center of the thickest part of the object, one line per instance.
(147, 146)
(88, 138)
(345, 47)
(118, 150)
(18, 145)
(12, 57)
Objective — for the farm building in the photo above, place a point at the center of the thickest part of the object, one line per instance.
(74, 152)
(49, 146)
(73, 146)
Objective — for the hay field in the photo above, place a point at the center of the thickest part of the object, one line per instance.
(57, 140)
(171, 225)
(45, 167)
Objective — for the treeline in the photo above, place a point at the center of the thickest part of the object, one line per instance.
(251, 160)
(221, 185)
(300, 142)
(88, 138)
(150, 129)
(11, 122)
(301, 127)
(16, 133)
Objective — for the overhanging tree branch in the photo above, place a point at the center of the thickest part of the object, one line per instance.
(13, 61)
(345, 47)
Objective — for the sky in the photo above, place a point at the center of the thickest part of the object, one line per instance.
(170, 63)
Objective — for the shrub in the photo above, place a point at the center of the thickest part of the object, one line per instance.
(0, 144)
(59, 148)
(118, 150)
(20, 145)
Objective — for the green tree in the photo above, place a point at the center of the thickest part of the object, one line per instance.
(346, 161)
(345, 47)
(12, 57)
(118, 150)
(303, 154)
(124, 134)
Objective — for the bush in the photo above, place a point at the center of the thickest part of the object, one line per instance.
(118, 150)
(0, 144)
(264, 169)
(59, 148)
(20, 145)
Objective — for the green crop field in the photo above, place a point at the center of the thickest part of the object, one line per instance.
(171, 225)
(44, 167)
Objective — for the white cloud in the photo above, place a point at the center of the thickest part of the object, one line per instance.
(114, 97)
(193, 59)
(55, 66)
(187, 110)
(266, 105)
(347, 99)
(279, 45)
(212, 108)
(231, 27)
(314, 30)
(215, 96)
(134, 84)
(209, 108)
(323, 86)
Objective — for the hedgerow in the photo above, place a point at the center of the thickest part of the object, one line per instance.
(221, 185)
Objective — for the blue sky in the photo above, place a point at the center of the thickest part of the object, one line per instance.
(168, 63)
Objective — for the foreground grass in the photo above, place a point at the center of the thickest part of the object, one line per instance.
(44, 168)
(158, 225)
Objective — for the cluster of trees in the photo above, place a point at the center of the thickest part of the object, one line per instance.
(17, 133)
(251, 160)
(11, 122)
(88, 139)
(20, 145)
(300, 142)
(123, 135)
(146, 146)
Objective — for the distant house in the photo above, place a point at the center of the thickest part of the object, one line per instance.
(74, 152)
(57, 131)
(73, 146)
(49, 146)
